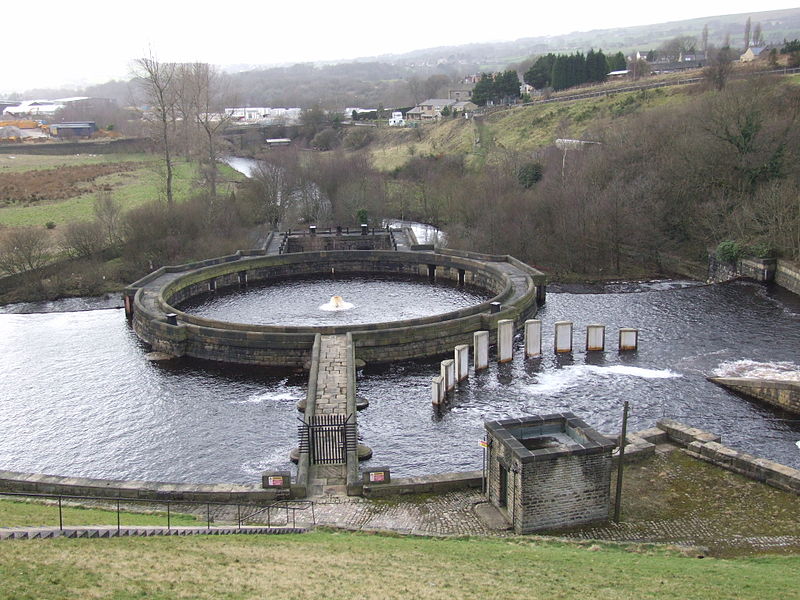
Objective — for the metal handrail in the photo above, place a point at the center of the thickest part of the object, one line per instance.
(119, 500)
(285, 505)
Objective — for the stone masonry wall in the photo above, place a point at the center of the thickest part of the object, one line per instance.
(567, 491)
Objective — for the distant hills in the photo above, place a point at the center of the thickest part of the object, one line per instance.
(370, 81)
(776, 26)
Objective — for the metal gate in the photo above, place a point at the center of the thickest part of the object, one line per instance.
(328, 438)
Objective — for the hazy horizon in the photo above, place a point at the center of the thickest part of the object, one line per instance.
(82, 45)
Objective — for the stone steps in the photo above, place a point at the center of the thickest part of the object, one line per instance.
(32, 533)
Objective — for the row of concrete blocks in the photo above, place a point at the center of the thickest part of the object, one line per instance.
(456, 369)
(111, 532)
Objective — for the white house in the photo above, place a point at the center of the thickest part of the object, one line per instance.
(397, 119)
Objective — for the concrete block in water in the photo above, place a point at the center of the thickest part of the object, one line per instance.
(481, 350)
(595, 338)
(461, 360)
(448, 374)
(505, 340)
(563, 337)
(533, 338)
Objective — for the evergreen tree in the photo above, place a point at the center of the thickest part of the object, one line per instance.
(506, 86)
(559, 76)
(540, 72)
(484, 90)
(617, 62)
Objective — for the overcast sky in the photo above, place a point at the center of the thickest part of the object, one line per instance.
(87, 41)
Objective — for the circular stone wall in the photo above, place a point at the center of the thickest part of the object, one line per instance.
(151, 303)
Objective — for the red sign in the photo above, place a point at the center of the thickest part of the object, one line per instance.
(275, 481)
(377, 476)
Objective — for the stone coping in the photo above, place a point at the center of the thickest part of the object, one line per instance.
(38, 483)
(509, 432)
(333, 257)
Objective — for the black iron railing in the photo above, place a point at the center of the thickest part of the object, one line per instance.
(119, 505)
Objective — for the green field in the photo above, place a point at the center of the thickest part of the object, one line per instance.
(332, 565)
(131, 189)
(38, 514)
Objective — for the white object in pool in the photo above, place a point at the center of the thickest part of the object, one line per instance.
(336, 303)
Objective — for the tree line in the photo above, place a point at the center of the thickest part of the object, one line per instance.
(561, 71)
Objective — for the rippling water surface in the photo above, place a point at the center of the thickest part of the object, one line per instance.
(686, 333)
(301, 301)
(78, 397)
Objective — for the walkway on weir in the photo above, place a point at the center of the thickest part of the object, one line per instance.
(330, 400)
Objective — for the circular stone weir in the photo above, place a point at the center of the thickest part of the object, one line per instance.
(153, 304)
(351, 300)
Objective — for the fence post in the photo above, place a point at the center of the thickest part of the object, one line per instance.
(60, 516)
(168, 517)
(239, 515)
(208, 515)
(117, 515)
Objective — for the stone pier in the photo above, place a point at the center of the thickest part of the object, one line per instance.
(328, 464)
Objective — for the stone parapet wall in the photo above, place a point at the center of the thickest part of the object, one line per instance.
(155, 296)
(35, 483)
(760, 469)
(707, 446)
(425, 484)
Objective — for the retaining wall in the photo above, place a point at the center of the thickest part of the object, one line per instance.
(779, 393)
(706, 446)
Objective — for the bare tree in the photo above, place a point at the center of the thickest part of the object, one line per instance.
(157, 81)
(758, 35)
(82, 239)
(24, 250)
(209, 101)
(720, 66)
(108, 213)
(704, 39)
(747, 33)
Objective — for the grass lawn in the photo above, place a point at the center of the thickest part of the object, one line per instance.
(38, 514)
(131, 188)
(333, 565)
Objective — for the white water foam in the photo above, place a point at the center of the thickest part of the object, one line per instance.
(266, 397)
(785, 371)
(573, 375)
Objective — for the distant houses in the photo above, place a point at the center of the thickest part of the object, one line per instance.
(434, 108)
(754, 53)
(264, 115)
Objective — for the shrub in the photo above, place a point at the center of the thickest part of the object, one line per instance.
(729, 251)
(50, 225)
(760, 250)
(357, 138)
(327, 139)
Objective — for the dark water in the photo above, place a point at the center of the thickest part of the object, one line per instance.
(78, 397)
(686, 333)
(297, 302)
